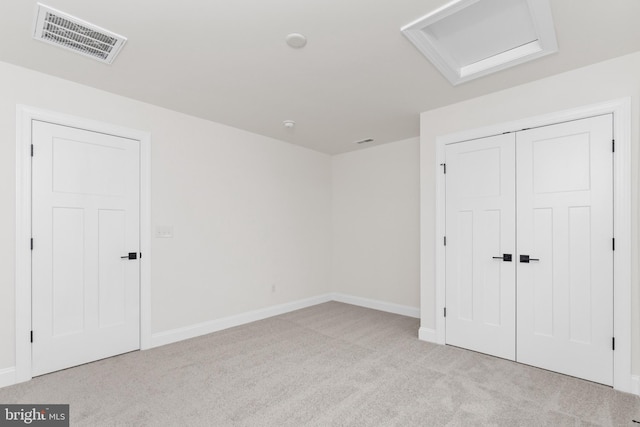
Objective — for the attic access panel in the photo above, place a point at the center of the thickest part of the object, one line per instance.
(467, 39)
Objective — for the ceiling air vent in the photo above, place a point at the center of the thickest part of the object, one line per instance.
(69, 32)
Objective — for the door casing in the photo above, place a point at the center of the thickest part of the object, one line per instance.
(621, 110)
(24, 117)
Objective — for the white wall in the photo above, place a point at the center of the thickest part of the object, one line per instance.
(247, 211)
(605, 81)
(376, 227)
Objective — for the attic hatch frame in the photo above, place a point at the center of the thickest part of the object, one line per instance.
(545, 43)
(60, 29)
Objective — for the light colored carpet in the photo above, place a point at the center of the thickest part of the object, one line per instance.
(329, 365)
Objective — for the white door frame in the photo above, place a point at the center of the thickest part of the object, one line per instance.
(621, 109)
(24, 117)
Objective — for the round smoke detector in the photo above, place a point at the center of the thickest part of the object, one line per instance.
(296, 40)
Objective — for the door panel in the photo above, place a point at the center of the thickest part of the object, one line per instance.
(480, 225)
(67, 290)
(543, 274)
(565, 219)
(112, 271)
(85, 216)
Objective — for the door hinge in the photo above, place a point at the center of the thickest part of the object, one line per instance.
(31, 150)
(613, 145)
(445, 312)
(140, 255)
(32, 243)
(445, 240)
(31, 336)
(613, 244)
(444, 167)
(613, 343)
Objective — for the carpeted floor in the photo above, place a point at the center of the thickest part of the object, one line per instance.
(329, 365)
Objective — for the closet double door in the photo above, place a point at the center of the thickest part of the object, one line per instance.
(529, 247)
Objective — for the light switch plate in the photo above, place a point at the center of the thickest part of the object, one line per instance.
(164, 231)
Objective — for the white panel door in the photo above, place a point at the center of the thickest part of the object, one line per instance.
(480, 224)
(565, 223)
(85, 217)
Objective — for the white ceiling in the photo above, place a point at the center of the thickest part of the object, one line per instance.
(358, 77)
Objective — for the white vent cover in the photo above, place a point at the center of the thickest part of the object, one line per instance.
(467, 39)
(69, 32)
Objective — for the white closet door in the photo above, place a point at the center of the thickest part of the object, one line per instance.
(85, 218)
(480, 224)
(565, 223)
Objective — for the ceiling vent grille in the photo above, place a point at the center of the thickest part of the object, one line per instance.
(69, 32)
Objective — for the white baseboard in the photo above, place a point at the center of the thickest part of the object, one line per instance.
(179, 334)
(635, 384)
(378, 305)
(7, 377)
(428, 334)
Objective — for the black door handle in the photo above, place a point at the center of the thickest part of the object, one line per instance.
(526, 259)
(132, 255)
(504, 257)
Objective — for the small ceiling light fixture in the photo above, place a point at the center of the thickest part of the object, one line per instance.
(289, 124)
(296, 40)
(364, 141)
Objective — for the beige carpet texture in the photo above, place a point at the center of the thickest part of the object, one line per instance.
(332, 364)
